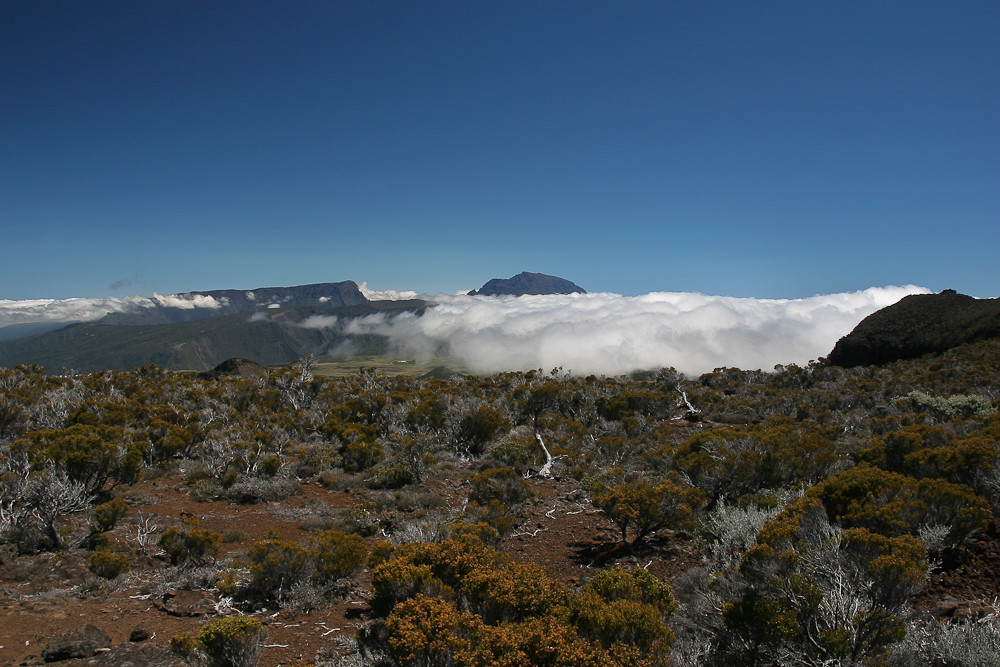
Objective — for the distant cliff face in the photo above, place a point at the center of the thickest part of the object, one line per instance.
(230, 301)
(527, 283)
(917, 325)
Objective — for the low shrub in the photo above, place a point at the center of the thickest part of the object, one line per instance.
(895, 504)
(233, 537)
(500, 484)
(337, 481)
(105, 516)
(380, 553)
(276, 565)
(107, 565)
(337, 555)
(361, 455)
(494, 516)
(206, 490)
(463, 604)
(368, 518)
(228, 583)
(643, 506)
(945, 408)
(520, 452)
(389, 476)
(482, 531)
(189, 543)
(234, 641)
(253, 490)
(973, 642)
(316, 522)
(270, 465)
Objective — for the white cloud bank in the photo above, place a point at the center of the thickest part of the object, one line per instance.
(88, 310)
(385, 295)
(599, 333)
(187, 301)
(610, 334)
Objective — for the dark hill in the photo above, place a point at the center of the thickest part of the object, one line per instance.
(231, 301)
(237, 367)
(527, 283)
(918, 324)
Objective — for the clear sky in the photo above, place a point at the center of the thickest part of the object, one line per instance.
(766, 149)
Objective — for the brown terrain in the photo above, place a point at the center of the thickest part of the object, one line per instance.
(46, 595)
(41, 596)
(133, 618)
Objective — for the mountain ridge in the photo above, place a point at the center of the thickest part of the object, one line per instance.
(232, 301)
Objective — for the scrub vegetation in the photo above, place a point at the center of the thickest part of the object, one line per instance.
(821, 511)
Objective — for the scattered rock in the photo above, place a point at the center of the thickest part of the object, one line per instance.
(139, 634)
(139, 655)
(81, 643)
(187, 603)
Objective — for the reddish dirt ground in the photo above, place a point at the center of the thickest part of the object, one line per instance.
(971, 572)
(41, 595)
(40, 598)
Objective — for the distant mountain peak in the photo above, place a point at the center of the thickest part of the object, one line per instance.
(527, 283)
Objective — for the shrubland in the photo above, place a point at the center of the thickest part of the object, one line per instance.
(818, 500)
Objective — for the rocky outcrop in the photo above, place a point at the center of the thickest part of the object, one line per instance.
(187, 603)
(527, 283)
(138, 655)
(80, 643)
(918, 324)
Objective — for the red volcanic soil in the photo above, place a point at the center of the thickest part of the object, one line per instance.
(45, 595)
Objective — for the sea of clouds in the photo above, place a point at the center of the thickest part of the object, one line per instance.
(604, 333)
(88, 309)
(601, 333)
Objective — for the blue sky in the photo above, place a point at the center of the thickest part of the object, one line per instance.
(774, 149)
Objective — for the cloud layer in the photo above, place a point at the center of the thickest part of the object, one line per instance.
(385, 295)
(610, 334)
(87, 310)
(599, 333)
